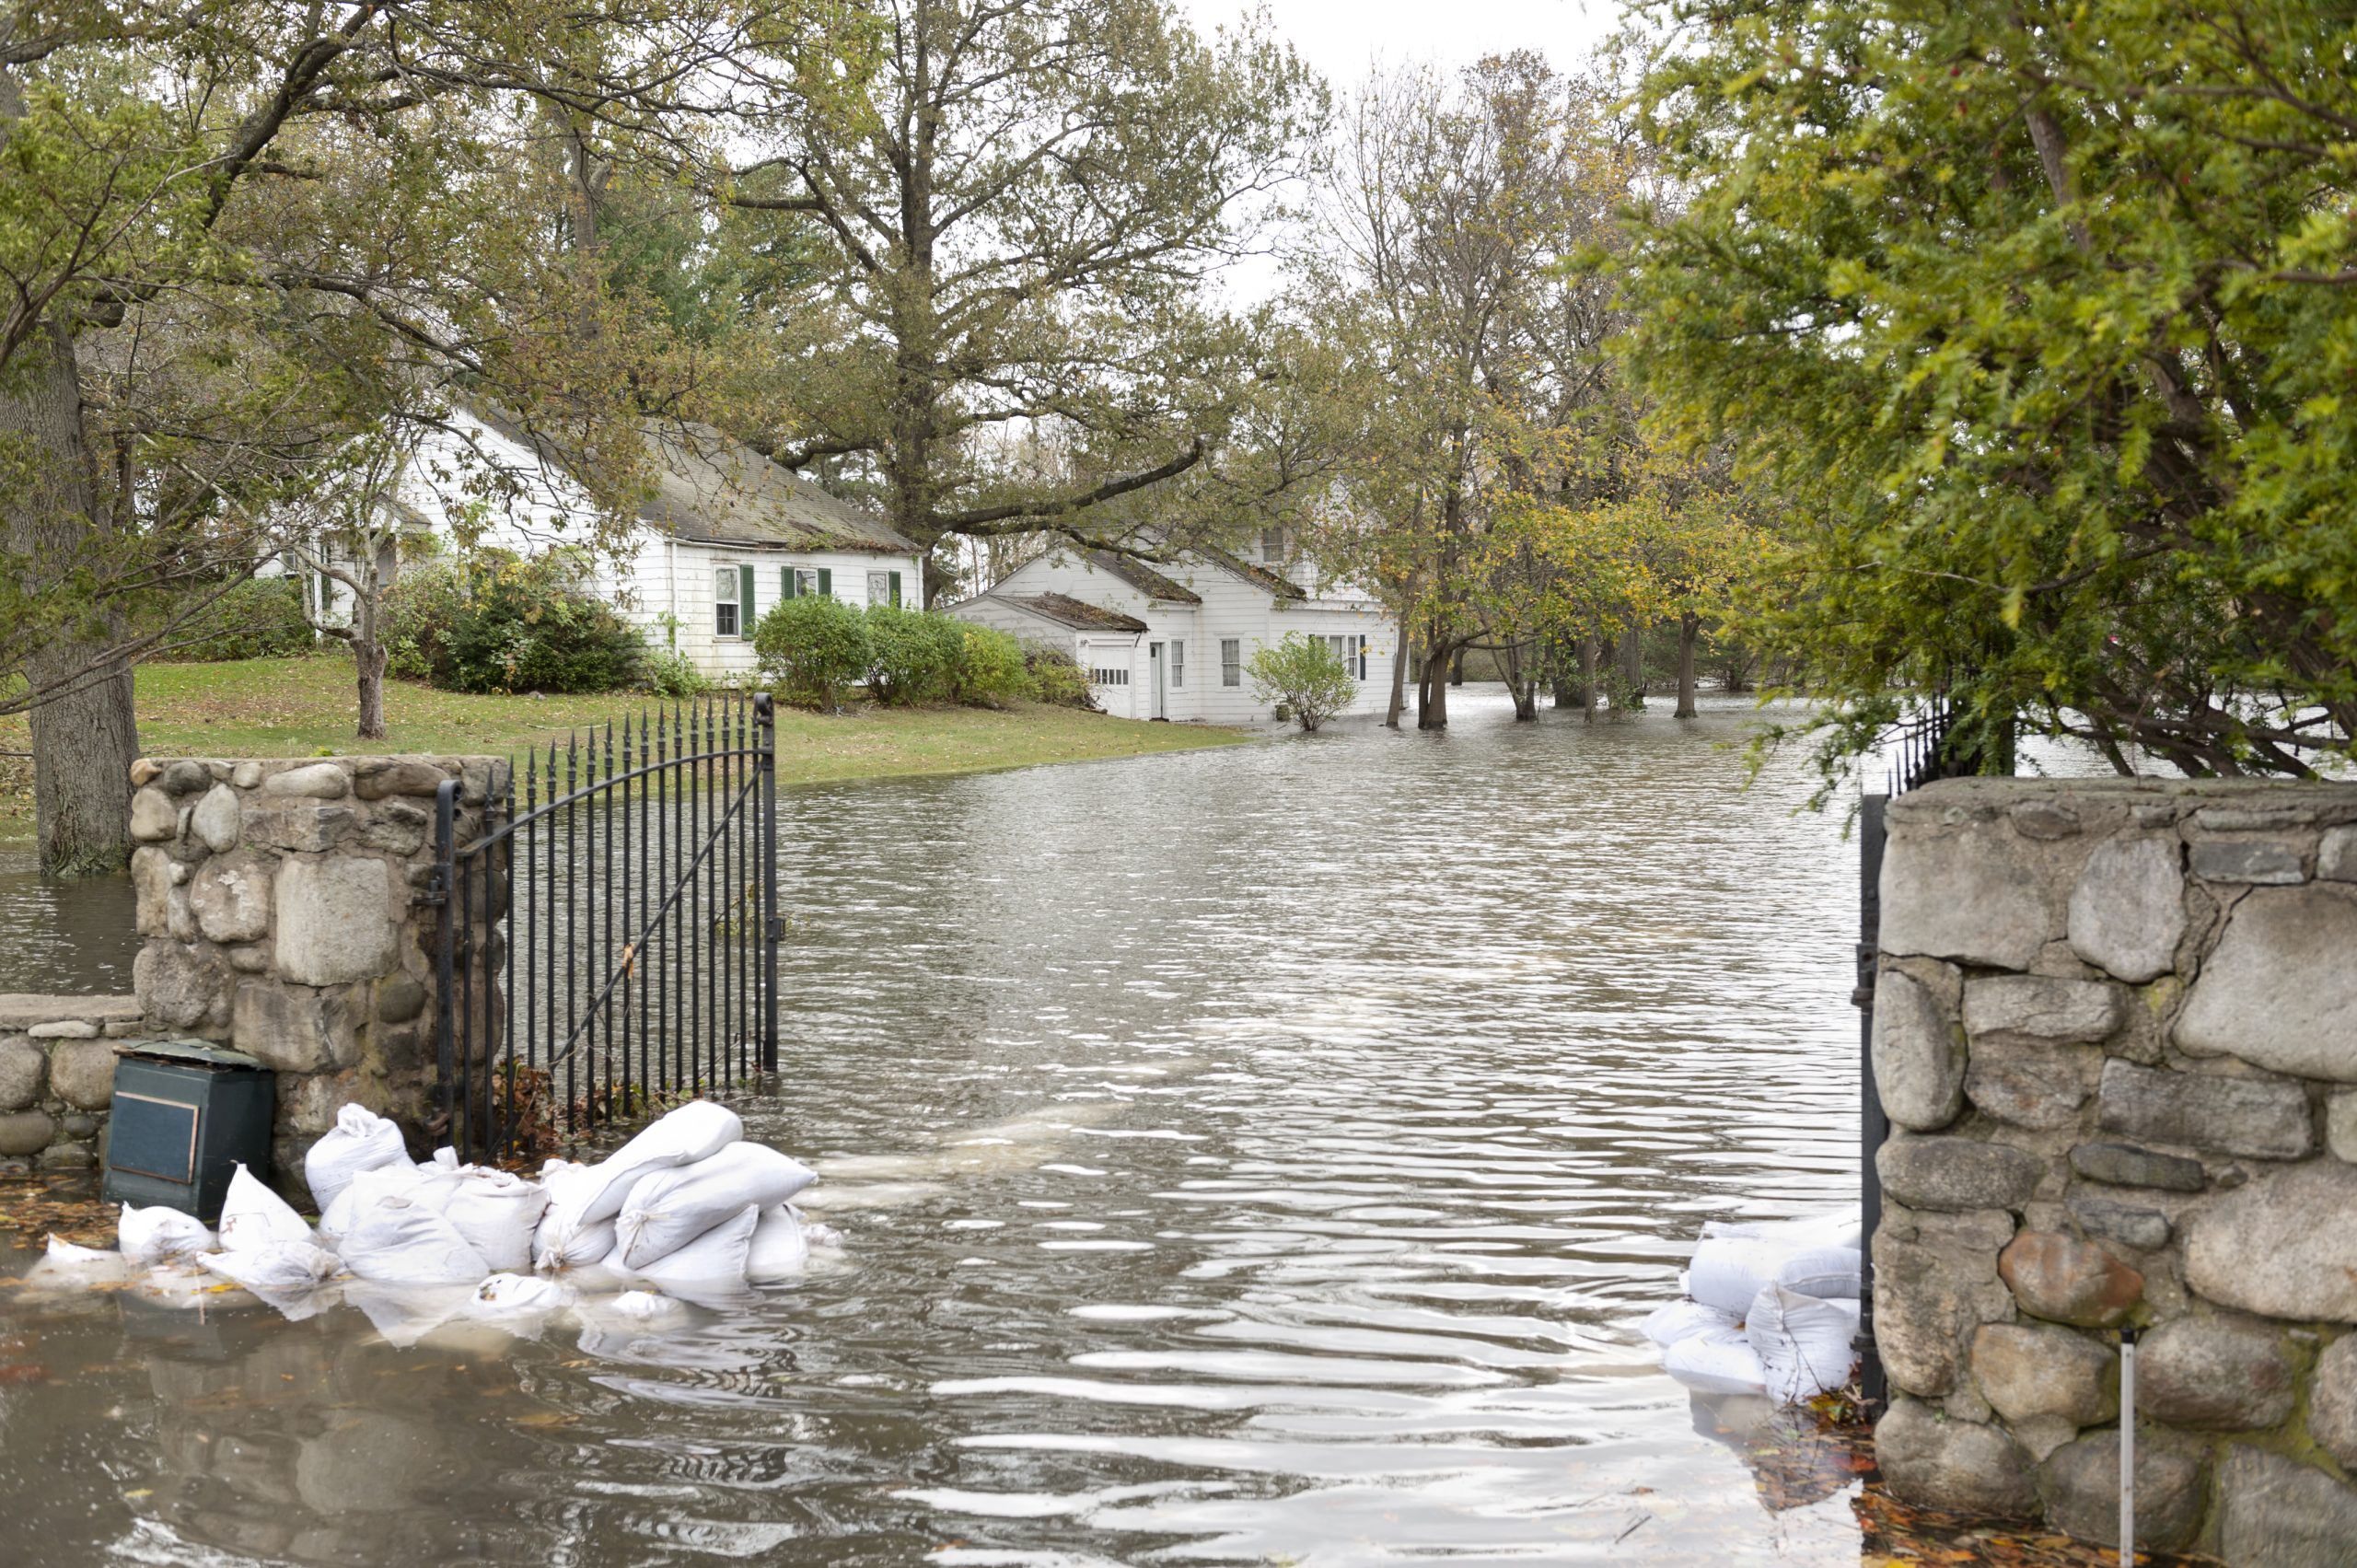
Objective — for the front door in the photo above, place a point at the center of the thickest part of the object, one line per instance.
(1154, 656)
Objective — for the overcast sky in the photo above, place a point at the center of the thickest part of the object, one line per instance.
(1341, 38)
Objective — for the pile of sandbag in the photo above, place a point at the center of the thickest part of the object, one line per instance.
(1771, 1308)
(688, 1207)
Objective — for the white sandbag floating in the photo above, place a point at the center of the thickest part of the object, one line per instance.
(1716, 1360)
(360, 1140)
(1803, 1342)
(1774, 1309)
(498, 1213)
(159, 1234)
(253, 1215)
(713, 1264)
(669, 1209)
(273, 1266)
(780, 1250)
(399, 1240)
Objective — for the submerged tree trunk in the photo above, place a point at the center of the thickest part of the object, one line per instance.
(1399, 679)
(84, 740)
(1591, 654)
(1689, 626)
(1632, 666)
(1561, 676)
(1456, 668)
(1432, 703)
(1521, 681)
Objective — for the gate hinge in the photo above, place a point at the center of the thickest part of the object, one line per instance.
(777, 928)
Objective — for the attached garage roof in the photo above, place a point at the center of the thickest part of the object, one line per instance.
(1065, 611)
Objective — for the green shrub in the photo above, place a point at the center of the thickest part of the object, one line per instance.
(1303, 674)
(1057, 677)
(501, 622)
(810, 648)
(914, 655)
(259, 617)
(991, 671)
(667, 672)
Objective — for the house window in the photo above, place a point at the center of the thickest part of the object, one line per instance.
(1350, 649)
(1231, 661)
(1107, 677)
(725, 607)
(1178, 663)
(880, 587)
(1273, 546)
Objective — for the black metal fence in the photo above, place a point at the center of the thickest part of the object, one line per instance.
(1925, 750)
(610, 940)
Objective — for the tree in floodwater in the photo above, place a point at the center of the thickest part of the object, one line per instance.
(1304, 676)
(2044, 322)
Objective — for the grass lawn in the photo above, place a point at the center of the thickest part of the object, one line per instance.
(304, 707)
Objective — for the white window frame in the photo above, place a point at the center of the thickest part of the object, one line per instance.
(735, 607)
(880, 587)
(1178, 664)
(1231, 661)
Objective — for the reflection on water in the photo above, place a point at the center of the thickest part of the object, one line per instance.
(1252, 1156)
(70, 937)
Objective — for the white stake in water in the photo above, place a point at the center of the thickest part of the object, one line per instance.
(2127, 1446)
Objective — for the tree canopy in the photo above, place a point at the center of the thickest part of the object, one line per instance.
(2041, 320)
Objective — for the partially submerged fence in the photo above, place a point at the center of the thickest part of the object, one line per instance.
(609, 940)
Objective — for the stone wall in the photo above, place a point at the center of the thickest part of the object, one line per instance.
(285, 912)
(57, 1077)
(2116, 1031)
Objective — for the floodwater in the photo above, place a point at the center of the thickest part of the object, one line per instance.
(1257, 1156)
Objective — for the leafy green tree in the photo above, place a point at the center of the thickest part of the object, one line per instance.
(812, 647)
(2042, 319)
(1020, 207)
(1304, 675)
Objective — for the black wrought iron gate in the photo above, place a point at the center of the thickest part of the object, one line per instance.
(609, 941)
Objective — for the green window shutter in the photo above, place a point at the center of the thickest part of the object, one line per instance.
(744, 593)
(826, 581)
(896, 590)
(784, 583)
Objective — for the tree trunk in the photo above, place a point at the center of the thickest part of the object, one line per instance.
(368, 657)
(1399, 679)
(1632, 666)
(1456, 668)
(1688, 625)
(84, 741)
(1523, 689)
(1431, 707)
(1561, 676)
(1591, 654)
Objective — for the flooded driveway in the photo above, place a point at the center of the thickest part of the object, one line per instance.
(1258, 1155)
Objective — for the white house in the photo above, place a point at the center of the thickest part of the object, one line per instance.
(1171, 642)
(720, 537)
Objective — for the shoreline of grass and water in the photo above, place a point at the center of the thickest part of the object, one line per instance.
(300, 707)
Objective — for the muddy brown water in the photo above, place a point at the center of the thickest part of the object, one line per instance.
(1258, 1155)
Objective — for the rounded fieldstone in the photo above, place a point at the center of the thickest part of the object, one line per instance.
(245, 775)
(1977, 893)
(1919, 1056)
(2081, 1484)
(153, 817)
(2147, 1230)
(231, 900)
(1935, 1278)
(400, 999)
(78, 1125)
(2336, 853)
(26, 1133)
(385, 778)
(1956, 1174)
(2065, 1280)
(23, 1069)
(2126, 913)
(2032, 1009)
(2040, 1087)
(2275, 1512)
(68, 1156)
(185, 777)
(81, 1072)
(2283, 1245)
(2029, 1370)
(2279, 990)
(2332, 1402)
(2214, 1375)
(215, 819)
(318, 781)
(144, 771)
(1955, 1465)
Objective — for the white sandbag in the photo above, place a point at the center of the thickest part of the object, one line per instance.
(1716, 1360)
(159, 1234)
(669, 1209)
(253, 1215)
(1841, 1227)
(399, 1240)
(1729, 1272)
(713, 1264)
(1821, 1272)
(585, 1247)
(780, 1250)
(562, 1239)
(697, 1130)
(1803, 1342)
(65, 1266)
(182, 1286)
(646, 1307)
(365, 1189)
(273, 1266)
(1675, 1321)
(519, 1304)
(497, 1211)
(360, 1140)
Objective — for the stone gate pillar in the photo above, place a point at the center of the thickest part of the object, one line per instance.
(285, 907)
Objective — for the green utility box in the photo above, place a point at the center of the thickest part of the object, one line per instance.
(186, 1113)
